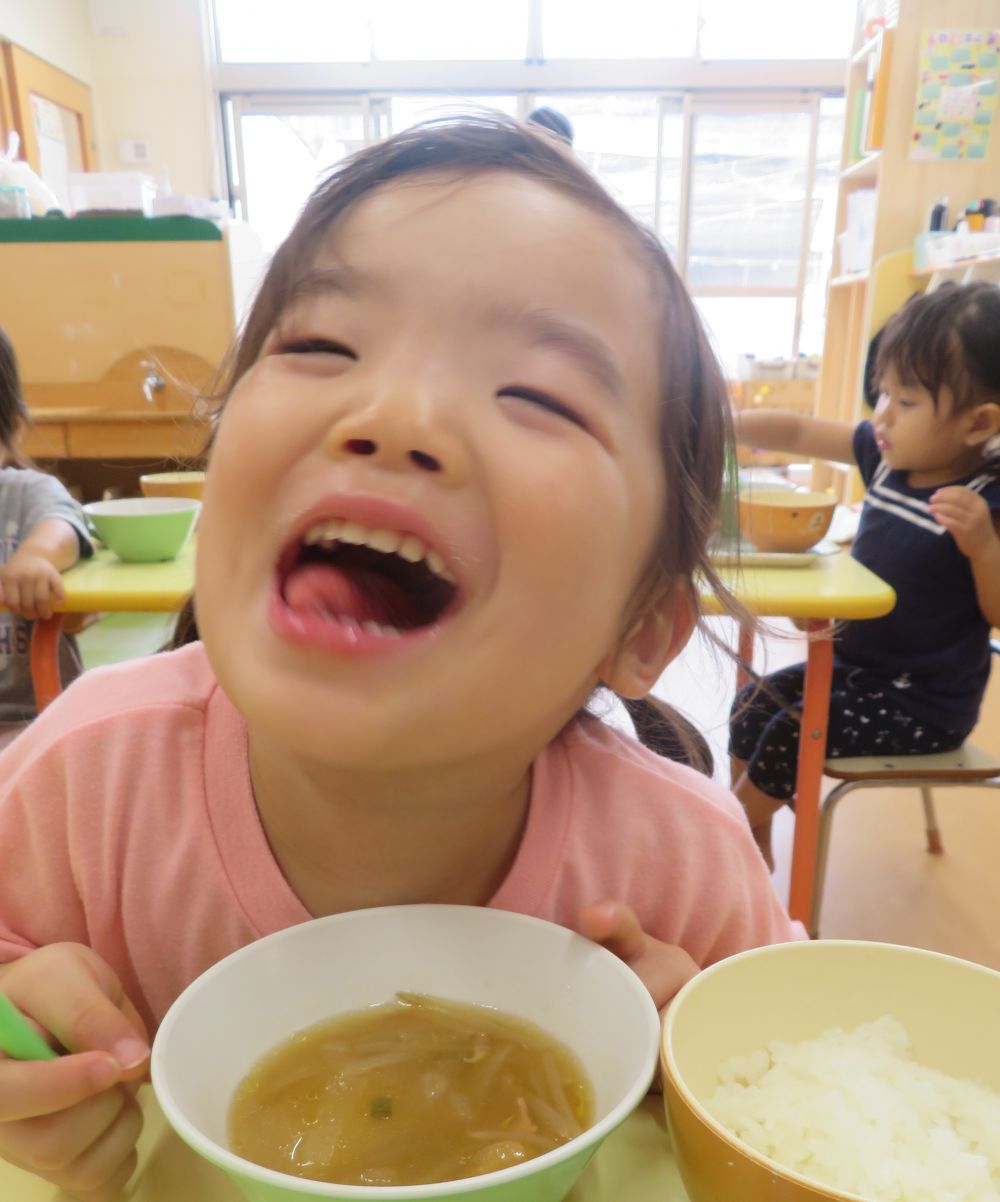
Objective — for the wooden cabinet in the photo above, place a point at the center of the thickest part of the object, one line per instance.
(119, 325)
(904, 189)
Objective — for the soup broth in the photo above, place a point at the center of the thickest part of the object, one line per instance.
(414, 1091)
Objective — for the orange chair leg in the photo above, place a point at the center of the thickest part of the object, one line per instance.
(45, 660)
(812, 755)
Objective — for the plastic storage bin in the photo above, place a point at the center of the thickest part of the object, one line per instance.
(14, 201)
(116, 191)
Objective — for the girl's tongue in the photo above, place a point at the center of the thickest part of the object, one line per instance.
(361, 594)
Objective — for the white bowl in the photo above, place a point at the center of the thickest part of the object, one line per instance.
(252, 1000)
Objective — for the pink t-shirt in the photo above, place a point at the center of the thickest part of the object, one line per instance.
(127, 822)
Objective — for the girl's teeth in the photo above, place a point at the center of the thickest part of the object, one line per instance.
(354, 534)
(384, 540)
(407, 546)
(385, 632)
(411, 549)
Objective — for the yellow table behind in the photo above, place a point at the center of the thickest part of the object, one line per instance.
(104, 584)
(634, 1165)
(833, 586)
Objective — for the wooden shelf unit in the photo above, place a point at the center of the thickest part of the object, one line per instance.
(859, 303)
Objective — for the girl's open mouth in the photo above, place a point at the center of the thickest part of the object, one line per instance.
(346, 586)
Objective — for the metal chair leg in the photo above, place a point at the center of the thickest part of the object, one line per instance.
(823, 848)
(934, 845)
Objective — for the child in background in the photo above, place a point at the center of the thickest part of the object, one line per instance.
(42, 533)
(909, 683)
(463, 476)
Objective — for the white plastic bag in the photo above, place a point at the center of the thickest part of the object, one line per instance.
(16, 172)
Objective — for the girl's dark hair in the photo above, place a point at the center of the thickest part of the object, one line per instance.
(13, 410)
(695, 422)
(948, 338)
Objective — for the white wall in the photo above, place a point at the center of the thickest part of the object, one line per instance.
(147, 64)
(152, 81)
(56, 30)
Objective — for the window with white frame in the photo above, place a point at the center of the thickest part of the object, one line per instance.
(715, 122)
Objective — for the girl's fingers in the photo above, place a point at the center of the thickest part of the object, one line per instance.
(107, 1163)
(49, 1145)
(30, 1088)
(662, 967)
(616, 927)
(11, 596)
(76, 997)
(112, 1189)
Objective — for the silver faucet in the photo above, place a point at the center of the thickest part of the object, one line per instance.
(153, 381)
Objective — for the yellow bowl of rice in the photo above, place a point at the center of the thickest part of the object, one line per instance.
(836, 1070)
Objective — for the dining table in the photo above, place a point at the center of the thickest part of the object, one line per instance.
(819, 590)
(104, 584)
(634, 1164)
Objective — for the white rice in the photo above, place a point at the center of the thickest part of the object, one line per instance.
(852, 1110)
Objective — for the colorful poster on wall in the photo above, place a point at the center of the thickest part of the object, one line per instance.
(957, 80)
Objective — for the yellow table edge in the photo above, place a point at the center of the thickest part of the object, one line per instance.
(104, 584)
(835, 586)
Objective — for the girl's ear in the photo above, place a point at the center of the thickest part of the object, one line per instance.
(654, 640)
(983, 424)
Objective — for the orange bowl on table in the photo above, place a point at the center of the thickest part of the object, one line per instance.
(780, 519)
(173, 484)
(792, 993)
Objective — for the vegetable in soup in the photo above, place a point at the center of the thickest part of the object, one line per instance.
(407, 1093)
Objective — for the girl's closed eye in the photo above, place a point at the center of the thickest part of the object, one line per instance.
(314, 346)
(544, 400)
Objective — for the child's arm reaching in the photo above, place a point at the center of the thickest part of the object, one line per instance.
(30, 581)
(73, 1121)
(795, 433)
(977, 533)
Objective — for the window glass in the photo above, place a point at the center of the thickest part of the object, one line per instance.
(357, 31)
(446, 29)
(625, 29)
(615, 136)
(407, 110)
(824, 208)
(748, 191)
(285, 155)
(671, 161)
(753, 325)
(777, 29)
(294, 31)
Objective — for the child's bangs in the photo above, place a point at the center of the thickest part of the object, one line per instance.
(926, 354)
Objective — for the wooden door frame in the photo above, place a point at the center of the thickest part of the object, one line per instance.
(27, 74)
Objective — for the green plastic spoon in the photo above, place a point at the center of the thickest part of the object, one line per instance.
(18, 1038)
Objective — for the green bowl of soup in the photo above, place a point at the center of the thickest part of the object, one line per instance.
(407, 1053)
(144, 529)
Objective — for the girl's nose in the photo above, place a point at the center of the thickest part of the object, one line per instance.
(400, 438)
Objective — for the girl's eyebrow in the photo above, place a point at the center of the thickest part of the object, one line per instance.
(588, 350)
(337, 278)
(542, 327)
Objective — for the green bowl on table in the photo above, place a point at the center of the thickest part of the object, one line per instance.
(143, 529)
(535, 971)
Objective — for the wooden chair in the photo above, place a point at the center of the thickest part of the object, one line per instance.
(969, 765)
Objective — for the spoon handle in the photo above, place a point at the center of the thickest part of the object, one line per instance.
(18, 1038)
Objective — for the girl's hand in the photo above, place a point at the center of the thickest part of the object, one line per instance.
(966, 516)
(662, 967)
(74, 1121)
(30, 584)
